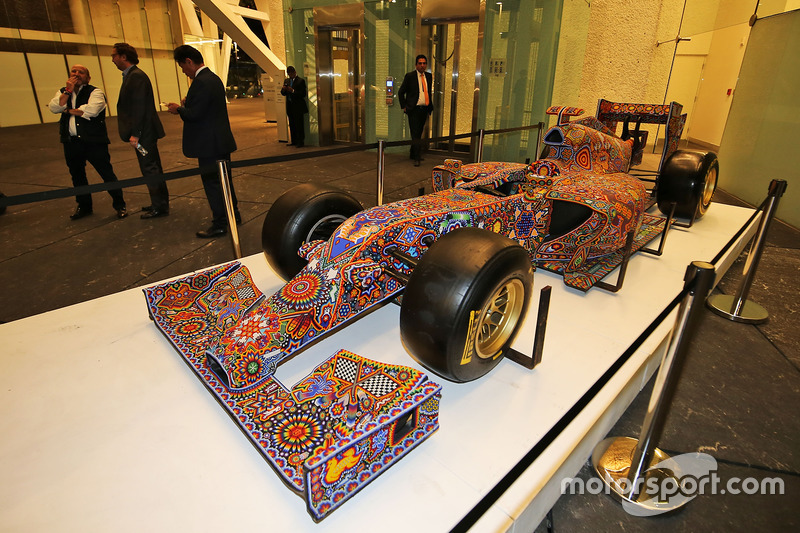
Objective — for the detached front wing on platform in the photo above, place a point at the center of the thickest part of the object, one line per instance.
(329, 435)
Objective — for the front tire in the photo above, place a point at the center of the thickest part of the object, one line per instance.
(302, 214)
(687, 179)
(464, 302)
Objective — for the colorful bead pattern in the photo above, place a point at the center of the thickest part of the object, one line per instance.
(594, 270)
(586, 166)
(329, 435)
(454, 174)
(610, 113)
(354, 271)
(564, 113)
(580, 148)
(617, 202)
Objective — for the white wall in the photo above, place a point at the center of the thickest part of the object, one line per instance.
(719, 77)
(618, 59)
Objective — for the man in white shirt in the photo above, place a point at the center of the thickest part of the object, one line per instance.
(83, 132)
(416, 99)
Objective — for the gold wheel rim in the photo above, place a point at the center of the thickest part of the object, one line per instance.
(499, 317)
(710, 186)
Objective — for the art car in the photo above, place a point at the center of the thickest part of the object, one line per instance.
(463, 259)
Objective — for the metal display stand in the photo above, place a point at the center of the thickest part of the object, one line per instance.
(625, 464)
(381, 167)
(224, 179)
(737, 307)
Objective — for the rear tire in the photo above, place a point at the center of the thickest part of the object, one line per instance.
(302, 214)
(464, 302)
(687, 179)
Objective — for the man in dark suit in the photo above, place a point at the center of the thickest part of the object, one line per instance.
(139, 124)
(82, 129)
(416, 100)
(207, 133)
(294, 89)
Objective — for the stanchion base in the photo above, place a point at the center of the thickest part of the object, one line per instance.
(612, 459)
(750, 313)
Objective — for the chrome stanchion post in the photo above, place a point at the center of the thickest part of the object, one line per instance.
(479, 149)
(539, 135)
(625, 464)
(381, 162)
(228, 198)
(738, 308)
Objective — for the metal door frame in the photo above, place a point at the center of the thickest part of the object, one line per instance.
(436, 122)
(327, 19)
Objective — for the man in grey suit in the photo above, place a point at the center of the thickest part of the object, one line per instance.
(207, 133)
(140, 126)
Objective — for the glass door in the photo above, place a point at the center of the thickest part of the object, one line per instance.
(453, 60)
(339, 83)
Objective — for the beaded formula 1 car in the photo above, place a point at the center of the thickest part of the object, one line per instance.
(463, 259)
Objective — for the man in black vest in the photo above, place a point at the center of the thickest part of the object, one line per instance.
(294, 89)
(139, 124)
(416, 99)
(83, 133)
(207, 133)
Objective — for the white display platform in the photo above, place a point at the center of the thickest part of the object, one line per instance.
(105, 428)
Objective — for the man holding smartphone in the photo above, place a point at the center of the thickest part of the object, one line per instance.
(140, 126)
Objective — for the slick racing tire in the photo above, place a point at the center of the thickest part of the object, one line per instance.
(464, 302)
(689, 180)
(302, 214)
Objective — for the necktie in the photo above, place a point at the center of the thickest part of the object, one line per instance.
(425, 90)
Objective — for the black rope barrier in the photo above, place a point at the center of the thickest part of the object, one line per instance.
(738, 234)
(54, 194)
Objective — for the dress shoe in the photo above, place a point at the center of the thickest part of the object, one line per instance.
(211, 232)
(147, 208)
(155, 213)
(122, 212)
(416, 162)
(299, 145)
(80, 212)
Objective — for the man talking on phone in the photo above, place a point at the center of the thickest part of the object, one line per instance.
(294, 89)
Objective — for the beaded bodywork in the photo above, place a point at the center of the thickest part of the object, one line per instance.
(330, 434)
(586, 166)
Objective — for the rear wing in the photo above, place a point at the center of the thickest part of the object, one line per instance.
(610, 113)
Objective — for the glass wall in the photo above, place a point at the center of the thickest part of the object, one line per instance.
(390, 34)
(388, 43)
(520, 44)
(41, 39)
(508, 59)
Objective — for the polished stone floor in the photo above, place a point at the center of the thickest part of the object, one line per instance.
(738, 398)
